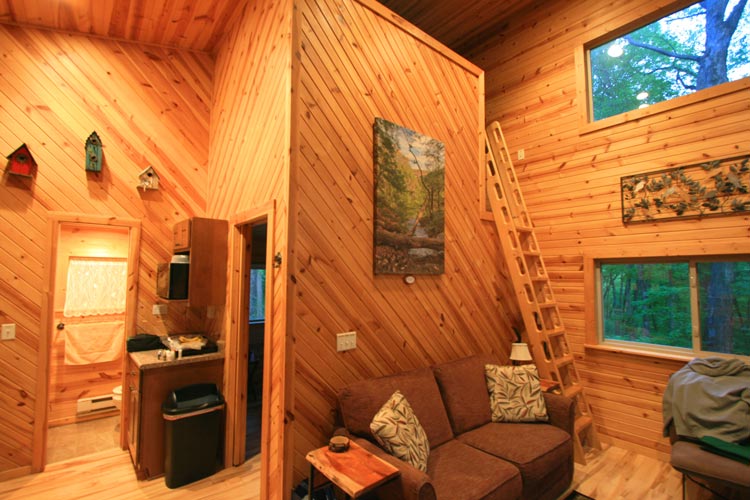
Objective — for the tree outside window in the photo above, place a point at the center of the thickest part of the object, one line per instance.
(703, 45)
(652, 303)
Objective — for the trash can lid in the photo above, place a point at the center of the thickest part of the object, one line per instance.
(192, 398)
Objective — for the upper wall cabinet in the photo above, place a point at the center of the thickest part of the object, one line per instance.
(205, 241)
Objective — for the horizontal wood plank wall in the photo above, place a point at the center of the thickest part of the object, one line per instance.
(357, 63)
(249, 166)
(150, 106)
(571, 185)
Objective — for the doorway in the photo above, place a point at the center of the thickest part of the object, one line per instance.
(248, 340)
(256, 319)
(82, 355)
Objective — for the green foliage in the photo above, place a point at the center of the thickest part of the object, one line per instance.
(651, 303)
(671, 57)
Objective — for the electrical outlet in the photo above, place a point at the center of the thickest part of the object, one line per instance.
(521, 154)
(346, 341)
(8, 331)
(159, 309)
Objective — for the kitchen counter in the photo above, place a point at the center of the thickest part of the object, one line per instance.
(147, 360)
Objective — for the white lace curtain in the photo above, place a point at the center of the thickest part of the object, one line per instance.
(95, 286)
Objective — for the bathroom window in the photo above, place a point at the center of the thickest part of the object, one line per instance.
(95, 286)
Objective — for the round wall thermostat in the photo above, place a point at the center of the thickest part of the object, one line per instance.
(409, 279)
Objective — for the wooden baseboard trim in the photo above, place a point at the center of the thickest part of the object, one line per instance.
(14, 473)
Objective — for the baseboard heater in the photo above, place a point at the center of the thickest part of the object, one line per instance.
(99, 403)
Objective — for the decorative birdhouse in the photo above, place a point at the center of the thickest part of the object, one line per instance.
(20, 162)
(148, 179)
(93, 153)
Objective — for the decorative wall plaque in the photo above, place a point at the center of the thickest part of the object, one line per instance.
(717, 187)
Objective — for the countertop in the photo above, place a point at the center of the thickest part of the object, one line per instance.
(147, 360)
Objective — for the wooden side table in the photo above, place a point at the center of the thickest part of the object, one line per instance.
(356, 471)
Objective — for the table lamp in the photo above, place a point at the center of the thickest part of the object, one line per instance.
(519, 353)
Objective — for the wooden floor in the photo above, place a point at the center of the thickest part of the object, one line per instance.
(109, 475)
(612, 474)
(615, 473)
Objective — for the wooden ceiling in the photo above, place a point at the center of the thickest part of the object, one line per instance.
(200, 24)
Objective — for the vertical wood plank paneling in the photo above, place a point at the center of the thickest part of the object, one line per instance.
(571, 184)
(248, 167)
(357, 63)
(150, 106)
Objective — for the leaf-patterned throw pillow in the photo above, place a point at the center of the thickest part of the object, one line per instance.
(397, 429)
(515, 394)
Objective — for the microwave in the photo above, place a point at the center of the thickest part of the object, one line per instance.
(172, 281)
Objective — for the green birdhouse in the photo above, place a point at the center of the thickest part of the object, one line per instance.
(93, 153)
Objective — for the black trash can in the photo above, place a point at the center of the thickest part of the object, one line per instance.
(194, 417)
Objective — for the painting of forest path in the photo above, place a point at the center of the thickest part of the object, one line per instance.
(409, 201)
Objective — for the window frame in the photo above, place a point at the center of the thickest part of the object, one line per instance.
(594, 334)
(584, 99)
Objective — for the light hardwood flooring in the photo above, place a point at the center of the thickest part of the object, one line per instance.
(619, 474)
(614, 473)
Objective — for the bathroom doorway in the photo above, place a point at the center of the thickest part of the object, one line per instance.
(90, 312)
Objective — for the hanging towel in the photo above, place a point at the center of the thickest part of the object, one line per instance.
(87, 343)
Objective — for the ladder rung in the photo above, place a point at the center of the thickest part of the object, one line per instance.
(532, 253)
(572, 391)
(582, 422)
(564, 360)
(547, 305)
(524, 229)
(555, 332)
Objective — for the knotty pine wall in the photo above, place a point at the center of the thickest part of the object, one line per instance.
(571, 185)
(249, 168)
(355, 61)
(150, 106)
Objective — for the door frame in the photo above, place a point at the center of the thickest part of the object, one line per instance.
(41, 407)
(237, 342)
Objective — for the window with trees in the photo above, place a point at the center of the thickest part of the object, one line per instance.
(698, 47)
(701, 305)
(257, 295)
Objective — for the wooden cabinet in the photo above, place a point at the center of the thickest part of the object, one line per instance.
(134, 405)
(204, 241)
(182, 236)
(146, 423)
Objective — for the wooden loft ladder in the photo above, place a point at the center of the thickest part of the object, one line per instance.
(541, 316)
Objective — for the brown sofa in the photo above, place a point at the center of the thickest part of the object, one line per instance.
(470, 456)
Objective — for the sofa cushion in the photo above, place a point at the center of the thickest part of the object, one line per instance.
(461, 472)
(542, 452)
(359, 401)
(515, 394)
(464, 390)
(397, 430)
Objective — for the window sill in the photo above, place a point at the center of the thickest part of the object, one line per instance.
(639, 352)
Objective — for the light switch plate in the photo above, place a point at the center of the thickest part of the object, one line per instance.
(346, 341)
(8, 331)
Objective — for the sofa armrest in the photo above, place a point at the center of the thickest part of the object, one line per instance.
(561, 411)
(411, 484)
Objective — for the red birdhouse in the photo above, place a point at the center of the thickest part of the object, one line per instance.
(20, 162)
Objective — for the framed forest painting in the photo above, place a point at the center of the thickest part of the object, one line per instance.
(409, 201)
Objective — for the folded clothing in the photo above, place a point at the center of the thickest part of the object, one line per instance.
(144, 342)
